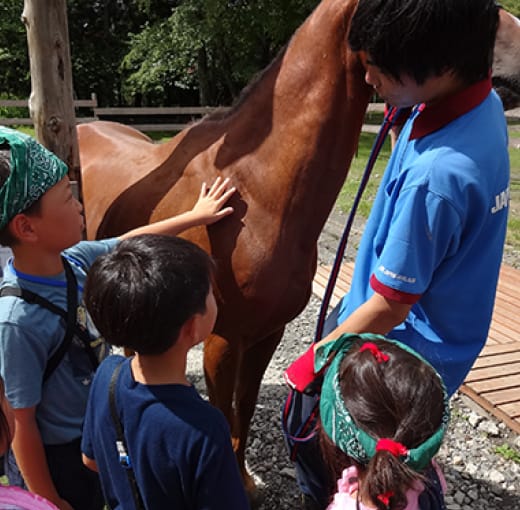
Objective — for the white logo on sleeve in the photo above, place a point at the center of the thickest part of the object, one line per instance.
(395, 276)
(501, 201)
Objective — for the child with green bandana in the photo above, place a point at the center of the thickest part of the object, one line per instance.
(42, 223)
(384, 411)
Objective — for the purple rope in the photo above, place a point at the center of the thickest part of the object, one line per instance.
(388, 121)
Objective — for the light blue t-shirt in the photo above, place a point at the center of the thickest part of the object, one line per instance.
(30, 334)
(435, 237)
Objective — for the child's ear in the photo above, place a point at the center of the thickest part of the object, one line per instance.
(190, 330)
(21, 228)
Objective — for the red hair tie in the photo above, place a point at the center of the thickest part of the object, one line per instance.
(380, 356)
(389, 445)
(385, 498)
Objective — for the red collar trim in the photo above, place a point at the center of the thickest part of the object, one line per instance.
(434, 117)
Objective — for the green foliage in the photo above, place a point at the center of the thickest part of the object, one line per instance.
(14, 60)
(100, 34)
(213, 46)
(508, 453)
(513, 6)
(357, 168)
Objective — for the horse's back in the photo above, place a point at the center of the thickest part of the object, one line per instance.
(113, 157)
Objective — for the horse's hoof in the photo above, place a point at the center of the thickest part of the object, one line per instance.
(255, 497)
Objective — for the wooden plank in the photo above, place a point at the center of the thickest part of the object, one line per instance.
(493, 372)
(509, 328)
(512, 409)
(14, 102)
(513, 424)
(491, 350)
(370, 128)
(510, 272)
(502, 334)
(84, 120)
(14, 121)
(499, 383)
(502, 396)
(376, 107)
(159, 127)
(498, 360)
(24, 103)
(85, 103)
(159, 110)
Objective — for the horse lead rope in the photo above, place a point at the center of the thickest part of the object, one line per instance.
(388, 122)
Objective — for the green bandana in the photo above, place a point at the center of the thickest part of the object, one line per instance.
(34, 170)
(337, 421)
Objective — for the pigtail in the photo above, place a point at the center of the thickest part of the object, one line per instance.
(386, 481)
(383, 407)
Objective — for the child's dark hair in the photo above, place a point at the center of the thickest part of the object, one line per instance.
(6, 238)
(401, 399)
(424, 38)
(141, 294)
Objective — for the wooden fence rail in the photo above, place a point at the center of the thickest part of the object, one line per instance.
(27, 121)
(160, 118)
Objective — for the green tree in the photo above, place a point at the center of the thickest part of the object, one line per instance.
(14, 59)
(209, 47)
(100, 34)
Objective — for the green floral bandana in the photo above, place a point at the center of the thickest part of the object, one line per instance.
(34, 170)
(337, 421)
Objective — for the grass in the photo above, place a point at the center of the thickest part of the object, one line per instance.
(357, 168)
(508, 453)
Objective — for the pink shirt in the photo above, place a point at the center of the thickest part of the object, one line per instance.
(345, 498)
(14, 498)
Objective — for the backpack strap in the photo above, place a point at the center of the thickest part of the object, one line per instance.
(122, 449)
(432, 497)
(72, 328)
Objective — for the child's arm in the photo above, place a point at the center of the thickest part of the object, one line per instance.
(207, 210)
(377, 315)
(30, 456)
(90, 463)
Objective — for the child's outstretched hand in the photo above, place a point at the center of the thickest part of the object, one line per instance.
(209, 206)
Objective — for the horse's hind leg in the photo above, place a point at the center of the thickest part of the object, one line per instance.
(253, 364)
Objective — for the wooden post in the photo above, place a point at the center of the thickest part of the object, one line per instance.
(51, 103)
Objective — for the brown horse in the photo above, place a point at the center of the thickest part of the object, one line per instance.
(287, 146)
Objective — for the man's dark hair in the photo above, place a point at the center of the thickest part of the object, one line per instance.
(141, 294)
(424, 38)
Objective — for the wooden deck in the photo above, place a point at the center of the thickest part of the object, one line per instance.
(494, 381)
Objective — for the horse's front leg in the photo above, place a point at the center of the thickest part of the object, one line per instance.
(220, 369)
(253, 363)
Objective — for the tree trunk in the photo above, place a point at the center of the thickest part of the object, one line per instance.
(51, 104)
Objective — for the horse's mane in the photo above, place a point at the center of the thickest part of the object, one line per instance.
(247, 91)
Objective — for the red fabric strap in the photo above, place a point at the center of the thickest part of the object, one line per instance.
(389, 445)
(380, 356)
(385, 498)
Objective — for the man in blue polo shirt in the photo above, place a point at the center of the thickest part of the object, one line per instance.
(427, 267)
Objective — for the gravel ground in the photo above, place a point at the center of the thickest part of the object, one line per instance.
(478, 477)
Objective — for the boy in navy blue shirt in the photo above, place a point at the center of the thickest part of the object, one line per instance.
(153, 294)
